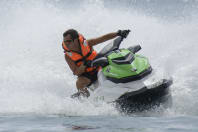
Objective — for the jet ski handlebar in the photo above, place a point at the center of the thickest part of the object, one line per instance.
(123, 33)
(107, 49)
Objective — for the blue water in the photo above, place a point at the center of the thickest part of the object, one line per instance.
(35, 123)
(35, 82)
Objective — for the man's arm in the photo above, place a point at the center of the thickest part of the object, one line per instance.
(101, 39)
(75, 69)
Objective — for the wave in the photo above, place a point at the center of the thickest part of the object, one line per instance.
(35, 78)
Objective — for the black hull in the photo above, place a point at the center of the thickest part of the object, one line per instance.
(145, 99)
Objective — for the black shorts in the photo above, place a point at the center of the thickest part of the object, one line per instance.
(91, 75)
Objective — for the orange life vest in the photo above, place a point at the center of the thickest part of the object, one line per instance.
(86, 54)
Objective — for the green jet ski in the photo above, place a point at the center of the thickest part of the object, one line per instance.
(127, 80)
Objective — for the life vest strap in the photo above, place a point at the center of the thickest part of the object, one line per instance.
(84, 57)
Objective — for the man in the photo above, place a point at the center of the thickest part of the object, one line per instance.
(79, 52)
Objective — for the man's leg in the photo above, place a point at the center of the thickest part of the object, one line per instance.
(81, 84)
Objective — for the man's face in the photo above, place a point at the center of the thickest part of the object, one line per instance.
(69, 42)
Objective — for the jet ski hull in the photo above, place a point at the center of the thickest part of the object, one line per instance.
(146, 98)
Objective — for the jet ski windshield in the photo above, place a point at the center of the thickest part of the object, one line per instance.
(110, 47)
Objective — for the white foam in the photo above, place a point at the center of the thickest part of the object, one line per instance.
(35, 78)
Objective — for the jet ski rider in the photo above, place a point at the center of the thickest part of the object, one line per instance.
(78, 54)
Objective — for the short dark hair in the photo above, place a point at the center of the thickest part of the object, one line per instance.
(72, 32)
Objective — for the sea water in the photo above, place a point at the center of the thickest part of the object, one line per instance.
(36, 83)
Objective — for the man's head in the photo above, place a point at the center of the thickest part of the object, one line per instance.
(70, 38)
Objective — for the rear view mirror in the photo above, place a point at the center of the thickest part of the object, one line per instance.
(103, 61)
(135, 49)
